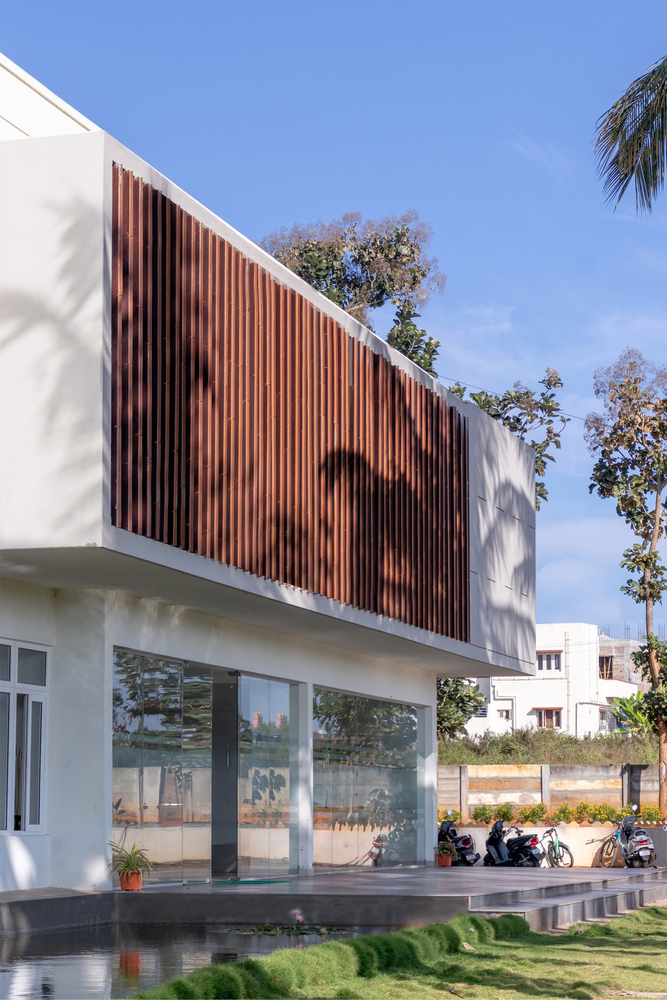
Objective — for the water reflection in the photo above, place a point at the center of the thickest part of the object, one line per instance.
(116, 962)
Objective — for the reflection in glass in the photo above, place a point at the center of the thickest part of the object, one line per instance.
(367, 779)
(35, 761)
(127, 722)
(205, 772)
(4, 756)
(31, 667)
(196, 773)
(161, 768)
(268, 780)
(5, 659)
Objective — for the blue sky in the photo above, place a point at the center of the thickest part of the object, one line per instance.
(479, 115)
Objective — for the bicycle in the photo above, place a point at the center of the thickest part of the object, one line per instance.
(558, 855)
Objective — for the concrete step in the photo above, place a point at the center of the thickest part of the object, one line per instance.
(570, 907)
(631, 877)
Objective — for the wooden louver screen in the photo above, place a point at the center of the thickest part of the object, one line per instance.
(251, 428)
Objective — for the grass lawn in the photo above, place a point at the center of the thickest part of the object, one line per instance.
(470, 957)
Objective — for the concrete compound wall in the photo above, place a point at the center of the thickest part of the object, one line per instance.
(464, 786)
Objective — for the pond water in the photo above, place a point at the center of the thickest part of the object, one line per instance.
(112, 961)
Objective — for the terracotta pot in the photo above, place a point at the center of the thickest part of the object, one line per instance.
(130, 881)
(444, 860)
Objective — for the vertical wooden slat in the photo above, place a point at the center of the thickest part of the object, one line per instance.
(251, 428)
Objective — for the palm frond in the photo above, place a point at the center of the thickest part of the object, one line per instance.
(631, 139)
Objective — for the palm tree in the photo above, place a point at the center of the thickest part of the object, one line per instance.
(631, 139)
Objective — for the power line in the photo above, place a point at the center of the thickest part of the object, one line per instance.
(469, 385)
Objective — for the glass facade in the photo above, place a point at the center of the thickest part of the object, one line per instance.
(368, 780)
(204, 770)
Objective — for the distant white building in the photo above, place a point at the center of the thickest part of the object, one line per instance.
(578, 674)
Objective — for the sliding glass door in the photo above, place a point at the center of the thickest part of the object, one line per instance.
(204, 769)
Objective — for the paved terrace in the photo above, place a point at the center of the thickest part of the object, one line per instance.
(364, 900)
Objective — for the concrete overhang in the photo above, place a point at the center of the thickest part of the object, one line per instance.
(155, 571)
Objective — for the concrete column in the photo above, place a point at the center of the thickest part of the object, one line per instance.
(305, 732)
(464, 792)
(545, 785)
(427, 837)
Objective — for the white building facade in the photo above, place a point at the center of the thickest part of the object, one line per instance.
(241, 537)
(578, 674)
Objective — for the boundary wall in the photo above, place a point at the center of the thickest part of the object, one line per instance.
(464, 786)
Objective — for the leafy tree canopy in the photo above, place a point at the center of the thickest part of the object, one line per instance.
(458, 701)
(409, 340)
(628, 439)
(361, 264)
(528, 413)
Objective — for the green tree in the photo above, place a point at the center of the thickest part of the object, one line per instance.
(458, 701)
(631, 715)
(628, 439)
(631, 139)
(361, 264)
(409, 340)
(525, 413)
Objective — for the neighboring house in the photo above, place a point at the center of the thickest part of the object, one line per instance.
(578, 674)
(241, 538)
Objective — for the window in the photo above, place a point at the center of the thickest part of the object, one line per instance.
(548, 718)
(482, 711)
(607, 668)
(548, 661)
(23, 676)
(505, 713)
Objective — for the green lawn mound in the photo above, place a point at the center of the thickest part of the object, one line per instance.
(467, 956)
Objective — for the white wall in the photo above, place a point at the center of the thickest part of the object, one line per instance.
(27, 108)
(52, 364)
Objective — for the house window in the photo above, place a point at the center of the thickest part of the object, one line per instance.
(23, 678)
(607, 668)
(482, 712)
(548, 661)
(505, 713)
(548, 718)
(607, 720)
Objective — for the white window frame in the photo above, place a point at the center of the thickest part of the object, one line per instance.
(35, 693)
(551, 668)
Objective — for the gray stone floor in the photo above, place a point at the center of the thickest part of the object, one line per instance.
(414, 882)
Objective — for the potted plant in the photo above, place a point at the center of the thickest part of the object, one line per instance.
(130, 863)
(445, 854)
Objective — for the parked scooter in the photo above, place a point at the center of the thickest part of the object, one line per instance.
(524, 849)
(637, 846)
(521, 851)
(496, 848)
(465, 845)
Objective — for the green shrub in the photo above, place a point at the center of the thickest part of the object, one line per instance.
(533, 814)
(581, 811)
(650, 814)
(549, 746)
(482, 814)
(563, 814)
(505, 811)
(602, 813)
